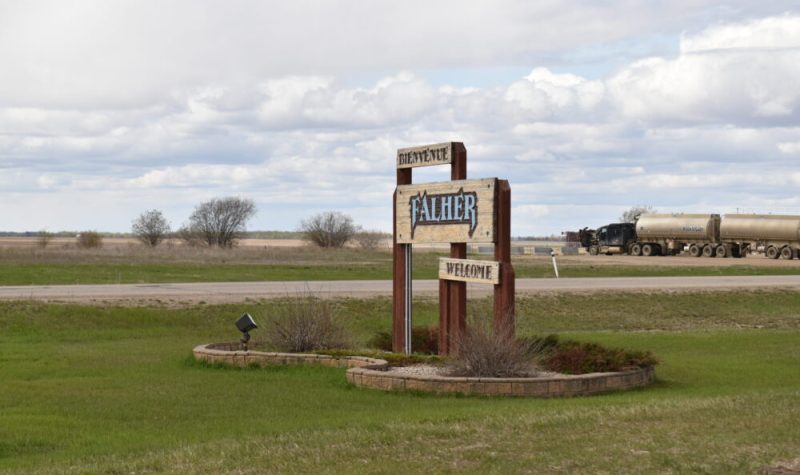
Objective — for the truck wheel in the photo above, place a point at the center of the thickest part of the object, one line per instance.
(722, 251)
(647, 250)
(593, 250)
(708, 250)
(772, 252)
(695, 250)
(636, 249)
(787, 253)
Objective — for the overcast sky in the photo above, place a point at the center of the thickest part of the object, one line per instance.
(110, 108)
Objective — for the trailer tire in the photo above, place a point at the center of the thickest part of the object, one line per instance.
(636, 249)
(787, 253)
(722, 251)
(708, 250)
(647, 250)
(773, 252)
(593, 250)
(695, 250)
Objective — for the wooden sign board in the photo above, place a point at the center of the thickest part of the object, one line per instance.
(468, 270)
(458, 211)
(425, 156)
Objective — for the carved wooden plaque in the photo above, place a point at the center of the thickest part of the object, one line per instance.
(468, 270)
(458, 211)
(425, 156)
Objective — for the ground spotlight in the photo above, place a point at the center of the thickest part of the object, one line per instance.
(245, 323)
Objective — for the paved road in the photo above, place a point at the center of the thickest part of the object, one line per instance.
(239, 291)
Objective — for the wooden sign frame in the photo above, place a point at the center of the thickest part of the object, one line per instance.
(452, 294)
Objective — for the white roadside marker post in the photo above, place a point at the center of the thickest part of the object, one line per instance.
(555, 266)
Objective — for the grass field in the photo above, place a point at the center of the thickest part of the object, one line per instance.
(136, 264)
(103, 389)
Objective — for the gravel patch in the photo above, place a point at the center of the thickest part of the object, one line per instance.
(433, 370)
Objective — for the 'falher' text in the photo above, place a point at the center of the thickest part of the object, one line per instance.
(446, 208)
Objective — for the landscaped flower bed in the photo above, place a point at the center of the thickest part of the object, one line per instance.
(375, 373)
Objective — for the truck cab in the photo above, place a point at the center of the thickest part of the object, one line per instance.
(610, 239)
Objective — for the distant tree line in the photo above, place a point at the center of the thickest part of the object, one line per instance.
(221, 222)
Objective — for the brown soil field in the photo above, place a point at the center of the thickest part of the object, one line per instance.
(124, 242)
(297, 250)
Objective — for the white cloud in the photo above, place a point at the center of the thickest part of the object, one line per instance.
(767, 33)
(741, 74)
(139, 126)
(544, 94)
(789, 148)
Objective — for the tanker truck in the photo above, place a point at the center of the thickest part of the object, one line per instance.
(708, 235)
(659, 235)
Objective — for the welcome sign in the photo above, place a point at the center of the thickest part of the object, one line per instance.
(468, 270)
(452, 211)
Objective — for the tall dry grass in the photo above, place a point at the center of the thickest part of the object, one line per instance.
(117, 251)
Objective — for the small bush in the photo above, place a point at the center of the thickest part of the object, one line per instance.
(481, 352)
(90, 240)
(330, 229)
(43, 239)
(574, 357)
(424, 340)
(305, 324)
(370, 240)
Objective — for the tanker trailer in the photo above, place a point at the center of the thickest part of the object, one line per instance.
(778, 234)
(664, 234)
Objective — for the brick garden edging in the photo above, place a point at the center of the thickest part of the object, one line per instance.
(228, 353)
(555, 386)
(371, 373)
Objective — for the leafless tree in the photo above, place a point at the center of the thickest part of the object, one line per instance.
(221, 221)
(329, 229)
(151, 227)
(633, 214)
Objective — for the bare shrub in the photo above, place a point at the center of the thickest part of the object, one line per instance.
(305, 324)
(481, 352)
(89, 240)
(329, 229)
(221, 221)
(370, 240)
(43, 239)
(150, 227)
(575, 357)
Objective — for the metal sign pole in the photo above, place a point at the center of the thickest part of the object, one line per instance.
(408, 294)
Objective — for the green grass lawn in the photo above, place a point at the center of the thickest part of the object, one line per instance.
(89, 389)
(130, 266)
